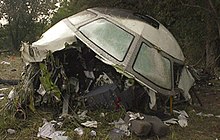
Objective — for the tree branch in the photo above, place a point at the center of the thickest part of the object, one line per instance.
(213, 12)
(196, 6)
(213, 8)
(215, 15)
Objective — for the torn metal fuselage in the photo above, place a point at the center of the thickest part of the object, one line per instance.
(129, 44)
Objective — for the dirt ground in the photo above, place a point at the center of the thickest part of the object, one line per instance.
(13, 70)
(199, 127)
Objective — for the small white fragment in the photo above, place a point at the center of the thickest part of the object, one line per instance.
(182, 118)
(183, 122)
(5, 63)
(60, 138)
(205, 115)
(48, 130)
(11, 131)
(56, 133)
(102, 114)
(171, 121)
(53, 121)
(12, 94)
(89, 74)
(79, 131)
(93, 124)
(134, 116)
(208, 115)
(153, 98)
(93, 133)
(83, 115)
(121, 125)
(60, 124)
(199, 114)
(183, 113)
(41, 90)
(2, 89)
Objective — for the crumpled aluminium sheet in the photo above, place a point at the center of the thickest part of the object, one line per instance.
(92, 124)
(48, 131)
(182, 119)
(52, 40)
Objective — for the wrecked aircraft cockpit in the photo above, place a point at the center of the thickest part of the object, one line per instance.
(107, 53)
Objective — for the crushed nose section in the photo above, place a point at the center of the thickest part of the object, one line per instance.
(82, 57)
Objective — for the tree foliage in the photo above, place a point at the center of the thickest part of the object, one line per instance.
(26, 18)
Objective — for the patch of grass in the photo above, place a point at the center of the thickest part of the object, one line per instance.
(25, 129)
(199, 128)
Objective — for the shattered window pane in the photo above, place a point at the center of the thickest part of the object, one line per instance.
(81, 17)
(108, 37)
(152, 65)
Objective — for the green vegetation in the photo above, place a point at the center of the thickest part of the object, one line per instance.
(23, 19)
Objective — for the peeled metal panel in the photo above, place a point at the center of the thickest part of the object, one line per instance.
(52, 40)
(186, 82)
(55, 38)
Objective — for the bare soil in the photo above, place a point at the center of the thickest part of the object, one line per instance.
(13, 70)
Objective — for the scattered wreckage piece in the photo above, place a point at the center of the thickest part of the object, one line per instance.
(48, 130)
(2, 89)
(60, 138)
(92, 124)
(207, 115)
(79, 131)
(182, 119)
(121, 130)
(5, 63)
(93, 133)
(139, 124)
(145, 125)
(11, 131)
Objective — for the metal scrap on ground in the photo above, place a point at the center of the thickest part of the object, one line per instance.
(48, 130)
